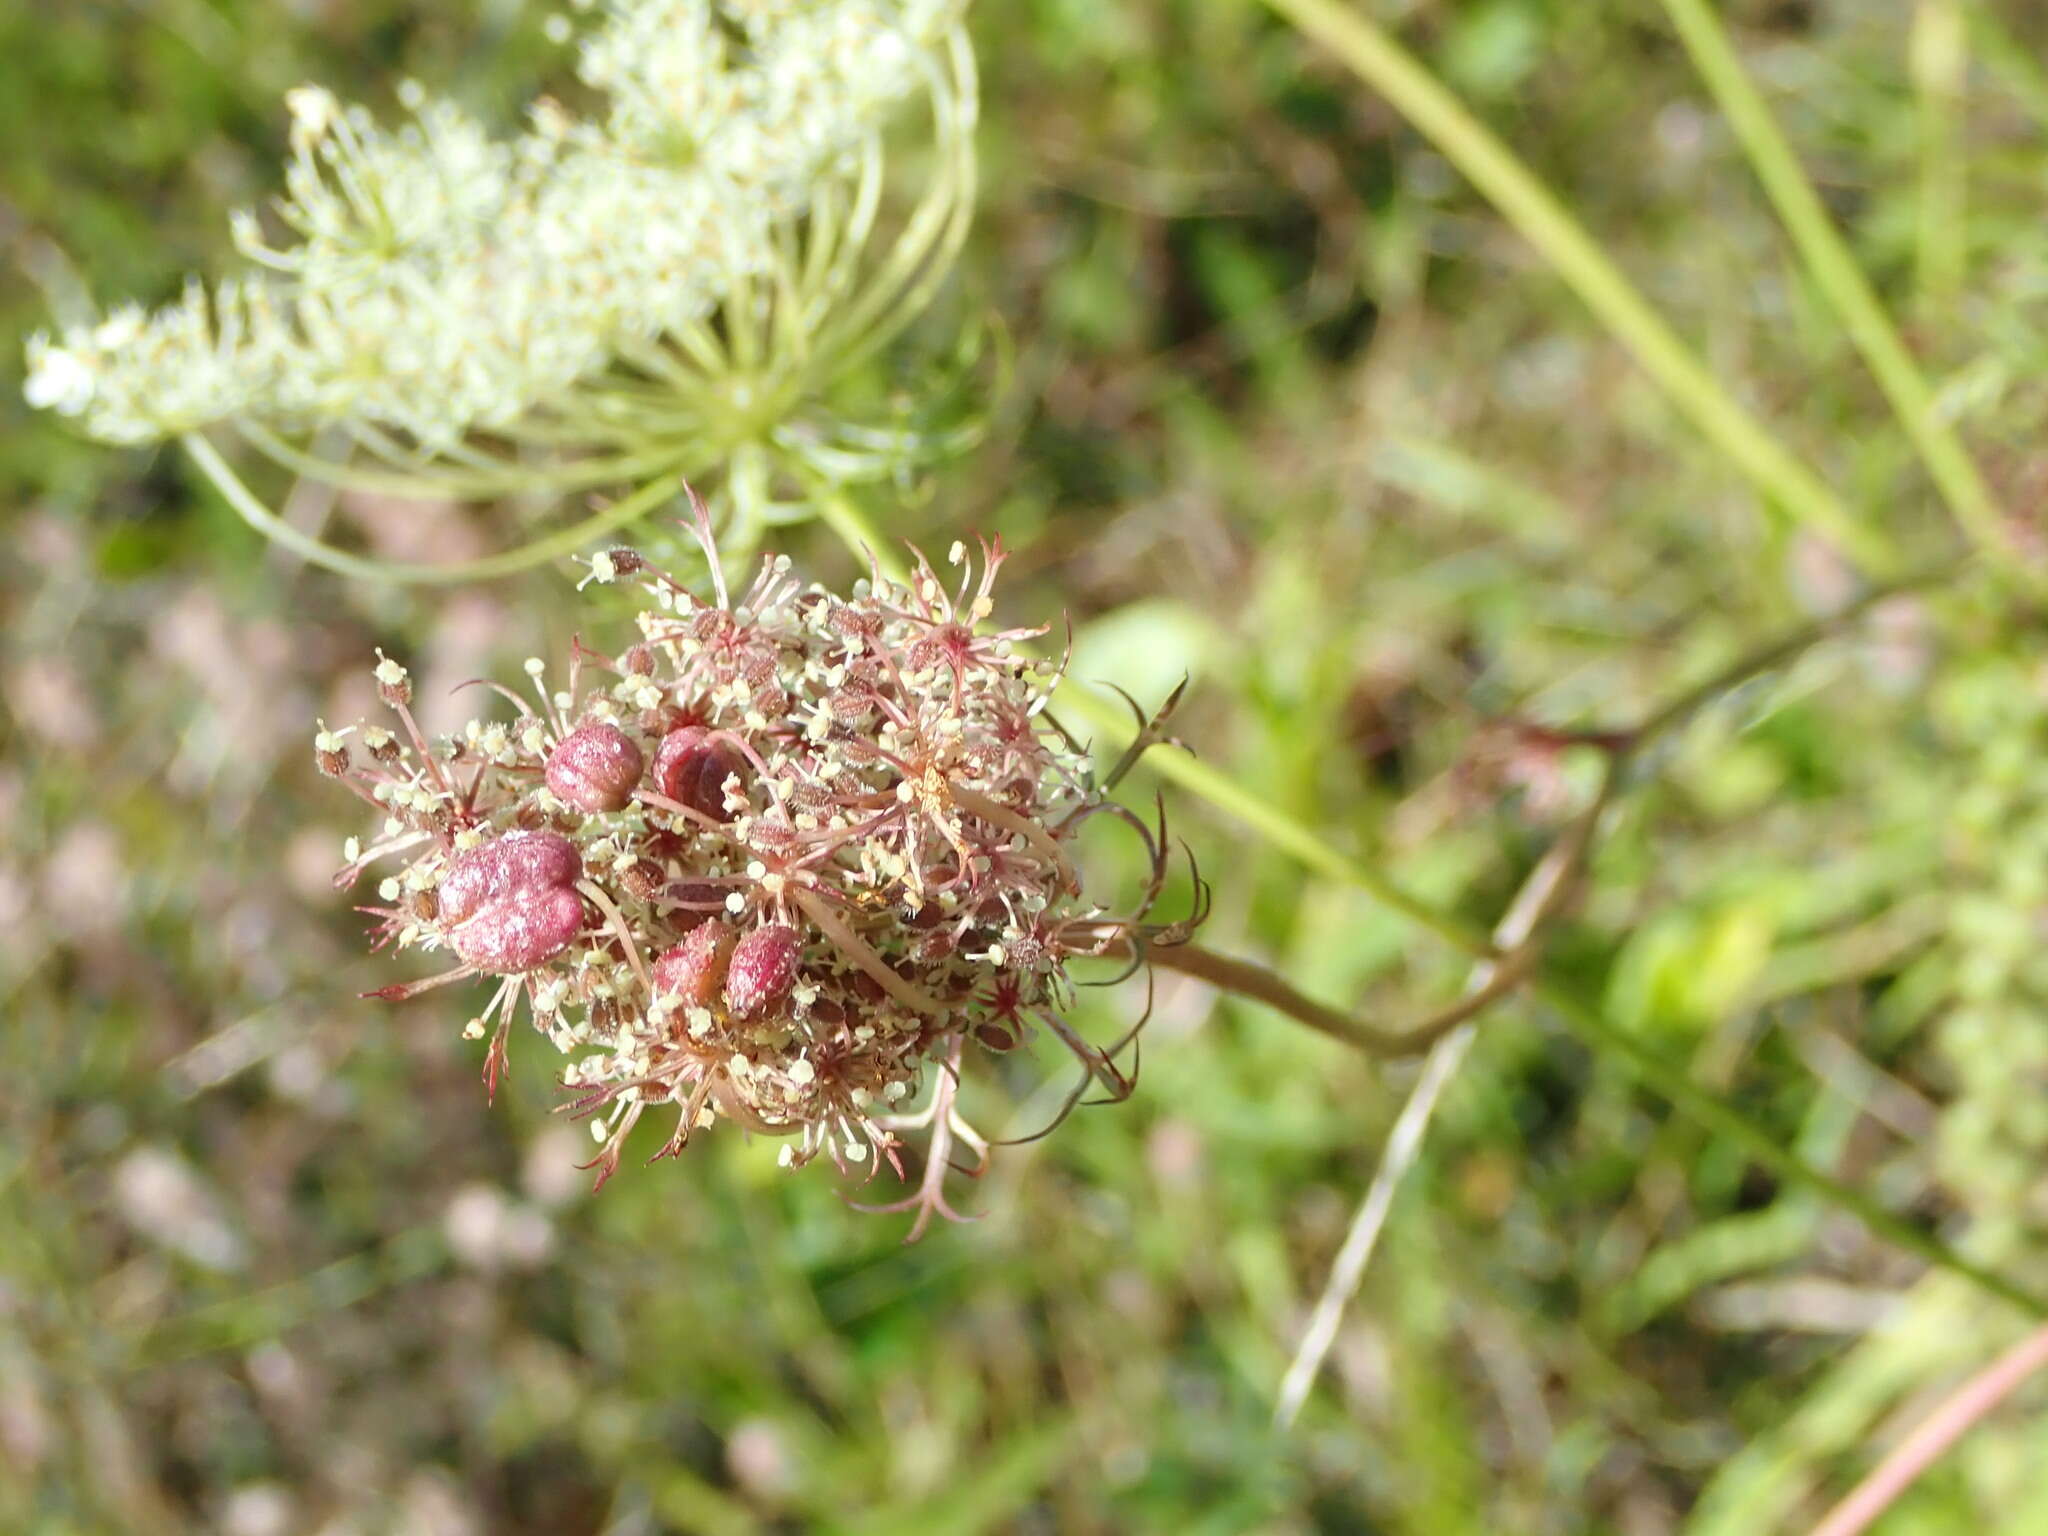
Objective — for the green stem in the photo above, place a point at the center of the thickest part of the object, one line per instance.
(1670, 1082)
(1577, 258)
(1112, 718)
(1264, 985)
(456, 485)
(249, 506)
(1776, 653)
(1940, 58)
(1835, 273)
(838, 511)
(2010, 62)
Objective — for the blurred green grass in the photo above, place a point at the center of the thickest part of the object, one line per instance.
(1294, 412)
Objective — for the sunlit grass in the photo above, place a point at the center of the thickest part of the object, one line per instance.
(1404, 371)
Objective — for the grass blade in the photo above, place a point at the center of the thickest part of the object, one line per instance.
(1670, 1083)
(1835, 273)
(1544, 221)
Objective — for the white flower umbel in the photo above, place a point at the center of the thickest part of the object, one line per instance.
(623, 300)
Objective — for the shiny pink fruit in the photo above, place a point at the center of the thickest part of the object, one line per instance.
(596, 767)
(694, 970)
(511, 905)
(762, 970)
(691, 770)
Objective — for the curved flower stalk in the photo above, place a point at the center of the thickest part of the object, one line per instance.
(782, 861)
(613, 303)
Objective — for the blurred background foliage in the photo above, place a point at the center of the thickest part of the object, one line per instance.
(1295, 413)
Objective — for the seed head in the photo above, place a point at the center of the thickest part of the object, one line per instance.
(810, 912)
(330, 752)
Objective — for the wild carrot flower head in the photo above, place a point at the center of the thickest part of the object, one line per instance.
(649, 291)
(779, 861)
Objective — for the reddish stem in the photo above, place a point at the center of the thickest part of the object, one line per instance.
(1937, 1432)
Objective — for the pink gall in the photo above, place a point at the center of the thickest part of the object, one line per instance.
(691, 768)
(762, 970)
(596, 767)
(693, 972)
(511, 905)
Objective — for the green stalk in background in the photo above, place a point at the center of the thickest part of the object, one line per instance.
(1670, 1082)
(554, 546)
(1835, 273)
(2008, 61)
(1535, 211)
(1939, 55)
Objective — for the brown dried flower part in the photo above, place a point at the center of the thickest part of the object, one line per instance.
(330, 751)
(783, 863)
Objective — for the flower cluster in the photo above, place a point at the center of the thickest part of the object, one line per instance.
(777, 862)
(440, 282)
